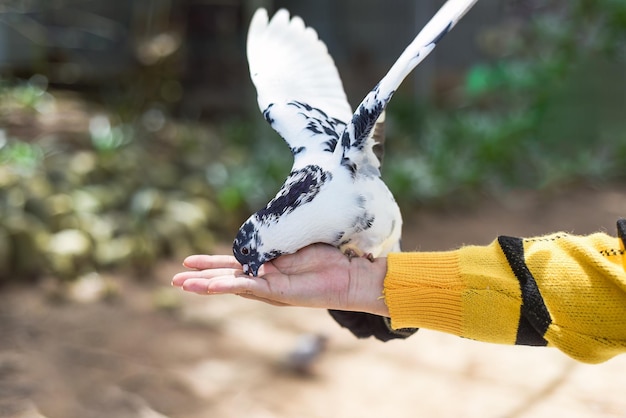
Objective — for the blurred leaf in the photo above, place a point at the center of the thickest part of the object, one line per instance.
(21, 156)
(230, 198)
(479, 80)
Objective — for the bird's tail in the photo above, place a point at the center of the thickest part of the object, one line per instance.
(365, 325)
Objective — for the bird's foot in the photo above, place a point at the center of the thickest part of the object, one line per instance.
(350, 253)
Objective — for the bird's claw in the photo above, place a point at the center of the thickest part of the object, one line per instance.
(350, 253)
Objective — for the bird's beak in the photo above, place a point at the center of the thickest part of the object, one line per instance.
(250, 269)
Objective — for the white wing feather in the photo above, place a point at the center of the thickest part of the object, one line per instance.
(288, 62)
(356, 137)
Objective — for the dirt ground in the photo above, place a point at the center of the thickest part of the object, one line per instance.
(152, 351)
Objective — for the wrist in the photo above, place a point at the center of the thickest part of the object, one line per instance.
(366, 286)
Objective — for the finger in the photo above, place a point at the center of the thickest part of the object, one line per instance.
(179, 278)
(241, 284)
(194, 285)
(226, 285)
(201, 262)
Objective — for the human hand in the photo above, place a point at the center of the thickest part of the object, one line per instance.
(317, 276)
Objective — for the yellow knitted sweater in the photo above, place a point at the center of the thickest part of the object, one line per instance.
(558, 290)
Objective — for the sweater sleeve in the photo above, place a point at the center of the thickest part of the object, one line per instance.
(558, 290)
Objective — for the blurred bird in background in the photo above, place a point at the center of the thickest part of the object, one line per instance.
(334, 193)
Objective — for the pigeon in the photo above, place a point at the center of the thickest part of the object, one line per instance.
(301, 359)
(334, 193)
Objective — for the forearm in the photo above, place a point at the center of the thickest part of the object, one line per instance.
(441, 291)
(558, 290)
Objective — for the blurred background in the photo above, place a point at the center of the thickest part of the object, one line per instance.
(130, 137)
(132, 130)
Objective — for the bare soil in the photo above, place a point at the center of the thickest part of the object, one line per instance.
(151, 351)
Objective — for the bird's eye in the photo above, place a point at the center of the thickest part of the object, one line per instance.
(245, 251)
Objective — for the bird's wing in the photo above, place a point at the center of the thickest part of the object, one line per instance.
(356, 140)
(298, 87)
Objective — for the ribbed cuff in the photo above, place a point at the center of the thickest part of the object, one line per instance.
(423, 290)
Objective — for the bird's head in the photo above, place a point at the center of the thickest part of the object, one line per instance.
(246, 248)
(249, 249)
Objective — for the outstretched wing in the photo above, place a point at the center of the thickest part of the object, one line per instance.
(356, 140)
(298, 87)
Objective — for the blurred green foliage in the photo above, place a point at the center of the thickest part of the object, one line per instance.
(108, 193)
(83, 188)
(548, 110)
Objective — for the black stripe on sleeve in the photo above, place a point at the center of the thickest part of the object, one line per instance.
(621, 230)
(534, 316)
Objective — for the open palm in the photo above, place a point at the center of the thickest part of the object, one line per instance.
(316, 276)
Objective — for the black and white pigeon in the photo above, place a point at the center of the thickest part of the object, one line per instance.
(334, 193)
